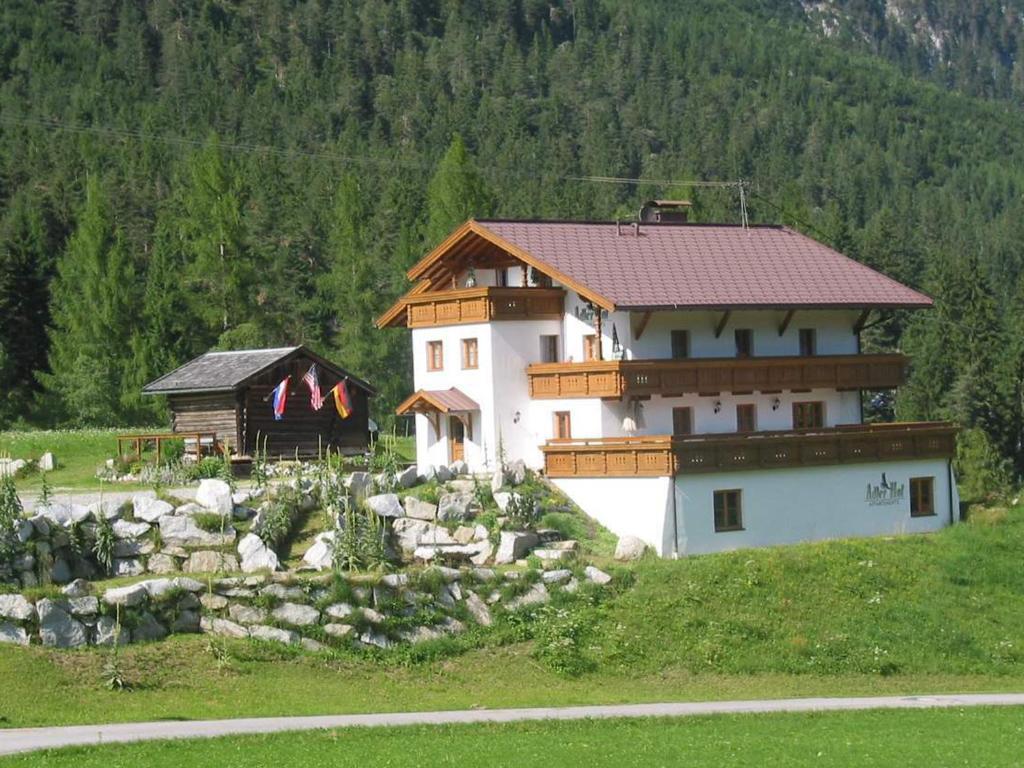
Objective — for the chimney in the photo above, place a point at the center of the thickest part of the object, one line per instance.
(664, 212)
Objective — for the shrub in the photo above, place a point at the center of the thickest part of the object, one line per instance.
(10, 511)
(211, 522)
(522, 510)
(103, 546)
(359, 540)
(982, 473)
(560, 635)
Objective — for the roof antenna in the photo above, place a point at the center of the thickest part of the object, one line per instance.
(743, 204)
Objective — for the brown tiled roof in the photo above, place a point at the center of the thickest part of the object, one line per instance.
(441, 400)
(695, 265)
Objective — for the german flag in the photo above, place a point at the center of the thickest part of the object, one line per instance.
(342, 401)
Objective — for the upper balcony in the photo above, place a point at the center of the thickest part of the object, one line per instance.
(665, 455)
(484, 304)
(613, 379)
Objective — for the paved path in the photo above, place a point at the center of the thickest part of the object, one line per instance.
(27, 739)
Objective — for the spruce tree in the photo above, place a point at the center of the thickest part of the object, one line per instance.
(456, 192)
(93, 306)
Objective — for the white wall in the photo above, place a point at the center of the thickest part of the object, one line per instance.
(784, 506)
(630, 506)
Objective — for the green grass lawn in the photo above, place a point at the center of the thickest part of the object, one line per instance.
(905, 738)
(916, 614)
(78, 452)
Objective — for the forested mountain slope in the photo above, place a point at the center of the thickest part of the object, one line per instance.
(178, 174)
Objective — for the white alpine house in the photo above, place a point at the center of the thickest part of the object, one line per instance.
(698, 386)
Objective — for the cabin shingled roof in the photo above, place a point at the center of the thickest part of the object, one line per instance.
(225, 371)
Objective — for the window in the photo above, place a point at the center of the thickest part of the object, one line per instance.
(680, 345)
(728, 511)
(921, 504)
(435, 356)
(563, 425)
(808, 342)
(501, 278)
(808, 415)
(682, 421)
(549, 349)
(746, 420)
(590, 347)
(469, 354)
(744, 342)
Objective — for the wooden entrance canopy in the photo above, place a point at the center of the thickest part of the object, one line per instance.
(433, 403)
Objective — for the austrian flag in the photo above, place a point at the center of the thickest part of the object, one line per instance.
(280, 396)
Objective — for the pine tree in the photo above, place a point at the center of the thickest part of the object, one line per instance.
(93, 303)
(456, 193)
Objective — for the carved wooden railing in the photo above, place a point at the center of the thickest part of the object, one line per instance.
(481, 305)
(663, 455)
(615, 378)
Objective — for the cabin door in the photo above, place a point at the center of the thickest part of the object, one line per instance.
(456, 439)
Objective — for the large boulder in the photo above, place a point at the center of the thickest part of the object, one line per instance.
(596, 575)
(127, 566)
(458, 468)
(16, 607)
(47, 462)
(296, 614)
(515, 472)
(410, 533)
(215, 495)
(321, 554)
(77, 588)
(208, 561)
(456, 507)
(515, 545)
(108, 632)
(125, 529)
(56, 627)
(222, 627)
(359, 484)
(537, 595)
(274, 635)
(129, 596)
(419, 509)
(246, 614)
(148, 628)
(630, 548)
(408, 477)
(256, 555)
(181, 530)
(161, 563)
(386, 505)
(24, 530)
(478, 610)
(150, 510)
(11, 633)
(442, 474)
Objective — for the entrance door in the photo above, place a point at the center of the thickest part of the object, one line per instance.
(456, 439)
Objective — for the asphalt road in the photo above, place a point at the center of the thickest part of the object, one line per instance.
(29, 739)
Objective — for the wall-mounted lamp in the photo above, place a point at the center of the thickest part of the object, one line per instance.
(718, 406)
(516, 417)
(776, 403)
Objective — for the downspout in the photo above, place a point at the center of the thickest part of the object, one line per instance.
(675, 521)
(949, 475)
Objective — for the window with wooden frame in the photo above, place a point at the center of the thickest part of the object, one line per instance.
(922, 496)
(680, 345)
(809, 415)
(746, 417)
(549, 348)
(682, 420)
(435, 356)
(744, 342)
(470, 358)
(501, 278)
(808, 342)
(590, 343)
(563, 425)
(728, 511)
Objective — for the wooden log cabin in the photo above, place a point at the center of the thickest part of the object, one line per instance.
(230, 395)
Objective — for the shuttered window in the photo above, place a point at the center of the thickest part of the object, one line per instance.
(728, 511)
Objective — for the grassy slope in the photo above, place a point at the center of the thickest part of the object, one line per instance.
(78, 452)
(909, 615)
(900, 738)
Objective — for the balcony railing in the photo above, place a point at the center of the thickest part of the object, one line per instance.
(613, 379)
(664, 455)
(481, 305)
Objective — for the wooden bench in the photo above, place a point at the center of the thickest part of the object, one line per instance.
(159, 438)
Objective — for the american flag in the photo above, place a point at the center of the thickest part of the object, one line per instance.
(316, 400)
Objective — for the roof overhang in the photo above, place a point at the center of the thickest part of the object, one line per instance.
(456, 251)
(442, 401)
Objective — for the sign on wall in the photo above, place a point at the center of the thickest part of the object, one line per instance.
(885, 493)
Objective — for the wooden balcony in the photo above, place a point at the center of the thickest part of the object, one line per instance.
(612, 379)
(663, 455)
(482, 305)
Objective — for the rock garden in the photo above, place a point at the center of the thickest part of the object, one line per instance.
(308, 555)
